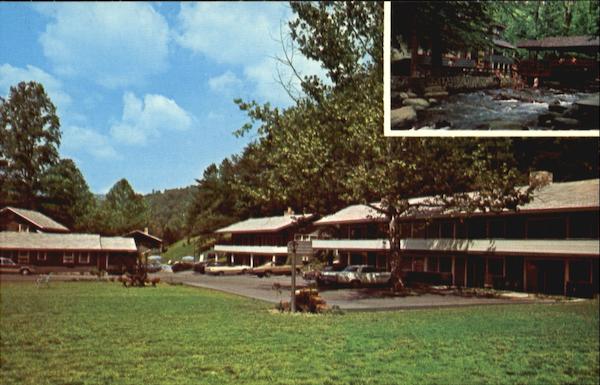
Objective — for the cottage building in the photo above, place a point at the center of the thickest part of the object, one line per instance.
(258, 240)
(548, 245)
(144, 241)
(51, 252)
(21, 220)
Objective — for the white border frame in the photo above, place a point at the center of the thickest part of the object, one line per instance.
(387, 105)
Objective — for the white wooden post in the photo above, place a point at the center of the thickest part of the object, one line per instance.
(251, 260)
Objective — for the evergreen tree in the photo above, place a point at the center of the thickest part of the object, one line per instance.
(29, 141)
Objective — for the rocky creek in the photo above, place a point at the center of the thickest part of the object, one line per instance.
(504, 109)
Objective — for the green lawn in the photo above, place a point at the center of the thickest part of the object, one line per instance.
(102, 333)
(179, 249)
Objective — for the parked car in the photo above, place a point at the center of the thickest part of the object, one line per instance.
(153, 267)
(362, 275)
(329, 274)
(270, 268)
(222, 269)
(7, 265)
(181, 266)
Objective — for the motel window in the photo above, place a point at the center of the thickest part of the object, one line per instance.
(495, 266)
(447, 230)
(477, 228)
(445, 265)
(405, 230)
(84, 257)
(42, 256)
(23, 256)
(515, 227)
(546, 228)
(584, 225)
(433, 230)
(68, 258)
(432, 263)
(497, 228)
(461, 230)
(579, 271)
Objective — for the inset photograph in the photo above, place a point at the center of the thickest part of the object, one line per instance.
(493, 68)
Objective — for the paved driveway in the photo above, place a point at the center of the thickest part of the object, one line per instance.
(348, 299)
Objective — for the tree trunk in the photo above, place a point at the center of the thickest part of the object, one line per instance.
(568, 5)
(395, 252)
(436, 52)
(414, 50)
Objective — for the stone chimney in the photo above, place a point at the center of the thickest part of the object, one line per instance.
(540, 178)
(289, 212)
(145, 230)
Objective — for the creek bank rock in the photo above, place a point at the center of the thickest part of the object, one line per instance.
(566, 123)
(416, 103)
(403, 117)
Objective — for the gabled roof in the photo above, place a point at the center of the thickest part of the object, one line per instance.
(52, 241)
(36, 218)
(263, 225)
(558, 196)
(503, 43)
(353, 214)
(561, 42)
(143, 234)
(565, 195)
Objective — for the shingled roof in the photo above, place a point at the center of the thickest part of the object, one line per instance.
(36, 218)
(553, 197)
(263, 225)
(11, 240)
(559, 42)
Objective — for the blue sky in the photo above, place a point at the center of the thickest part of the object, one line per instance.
(145, 91)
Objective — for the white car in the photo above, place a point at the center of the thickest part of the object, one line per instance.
(359, 275)
(222, 269)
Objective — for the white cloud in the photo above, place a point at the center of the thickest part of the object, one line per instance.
(11, 76)
(143, 120)
(225, 83)
(81, 139)
(114, 44)
(246, 35)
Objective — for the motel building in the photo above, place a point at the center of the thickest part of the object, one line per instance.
(31, 238)
(549, 245)
(256, 241)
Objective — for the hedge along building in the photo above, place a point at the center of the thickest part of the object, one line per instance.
(258, 240)
(49, 252)
(549, 245)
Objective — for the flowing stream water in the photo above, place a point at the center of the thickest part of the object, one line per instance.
(495, 109)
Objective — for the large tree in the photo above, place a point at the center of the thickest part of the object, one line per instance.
(328, 149)
(123, 210)
(66, 196)
(29, 141)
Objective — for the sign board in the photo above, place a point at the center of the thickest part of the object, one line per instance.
(303, 248)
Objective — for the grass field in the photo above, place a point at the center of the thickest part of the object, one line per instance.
(102, 333)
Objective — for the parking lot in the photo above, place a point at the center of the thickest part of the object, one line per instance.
(276, 288)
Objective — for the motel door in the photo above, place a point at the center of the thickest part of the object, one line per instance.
(102, 261)
(475, 271)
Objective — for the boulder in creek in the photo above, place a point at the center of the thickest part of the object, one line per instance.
(403, 117)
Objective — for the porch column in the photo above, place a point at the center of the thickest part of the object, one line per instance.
(349, 259)
(566, 279)
(525, 274)
(231, 258)
(426, 264)
(107, 255)
(251, 260)
(273, 259)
